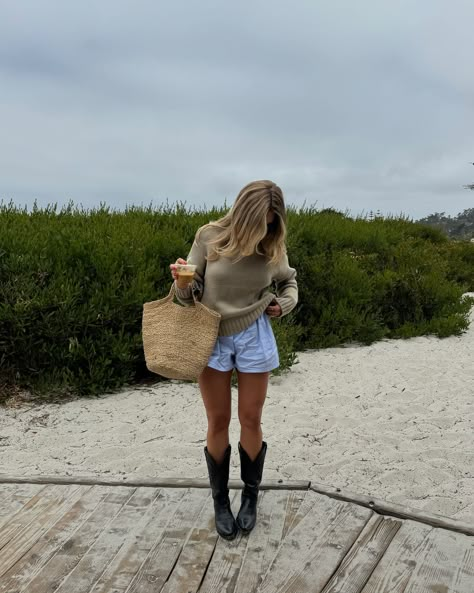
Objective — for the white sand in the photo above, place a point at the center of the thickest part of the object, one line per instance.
(393, 420)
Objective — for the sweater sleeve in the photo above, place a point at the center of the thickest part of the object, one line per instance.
(197, 257)
(286, 287)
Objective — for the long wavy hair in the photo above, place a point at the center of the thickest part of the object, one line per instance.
(244, 229)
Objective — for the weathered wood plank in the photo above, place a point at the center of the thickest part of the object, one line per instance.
(27, 513)
(13, 497)
(22, 536)
(164, 554)
(223, 571)
(395, 510)
(32, 562)
(315, 547)
(238, 565)
(241, 565)
(139, 541)
(95, 561)
(423, 558)
(297, 510)
(272, 526)
(361, 560)
(72, 538)
(150, 483)
(51, 575)
(196, 554)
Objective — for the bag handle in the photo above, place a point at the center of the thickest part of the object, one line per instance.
(172, 294)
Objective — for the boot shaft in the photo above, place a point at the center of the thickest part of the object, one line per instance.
(218, 474)
(251, 474)
(219, 477)
(251, 471)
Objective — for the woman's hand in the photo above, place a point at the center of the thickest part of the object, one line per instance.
(273, 309)
(174, 273)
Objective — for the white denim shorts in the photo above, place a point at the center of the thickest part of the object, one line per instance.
(253, 350)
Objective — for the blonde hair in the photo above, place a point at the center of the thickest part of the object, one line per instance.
(244, 228)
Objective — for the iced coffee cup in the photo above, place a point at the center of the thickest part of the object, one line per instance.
(185, 274)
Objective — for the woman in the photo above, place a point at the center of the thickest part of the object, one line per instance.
(238, 257)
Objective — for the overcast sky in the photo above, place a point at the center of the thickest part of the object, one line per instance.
(358, 106)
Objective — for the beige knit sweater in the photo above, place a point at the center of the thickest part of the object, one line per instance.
(238, 291)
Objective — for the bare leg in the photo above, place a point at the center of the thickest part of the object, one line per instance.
(252, 393)
(216, 394)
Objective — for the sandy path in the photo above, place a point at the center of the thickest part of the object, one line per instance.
(394, 420)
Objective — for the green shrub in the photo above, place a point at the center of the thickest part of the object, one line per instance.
(460, 258)
(73, 284)
(287, 334)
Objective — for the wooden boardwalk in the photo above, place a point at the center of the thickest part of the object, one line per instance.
(112, 538)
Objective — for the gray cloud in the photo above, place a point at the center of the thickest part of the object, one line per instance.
(358, 106)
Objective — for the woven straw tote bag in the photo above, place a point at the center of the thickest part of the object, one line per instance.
(177, 340)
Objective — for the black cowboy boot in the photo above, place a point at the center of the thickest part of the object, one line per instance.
(251, 474)
(219, 478)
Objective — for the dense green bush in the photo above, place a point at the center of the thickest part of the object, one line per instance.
(460, 257)
(73, 283)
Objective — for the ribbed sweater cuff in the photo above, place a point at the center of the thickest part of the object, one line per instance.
(287, 305)
(183, 293)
